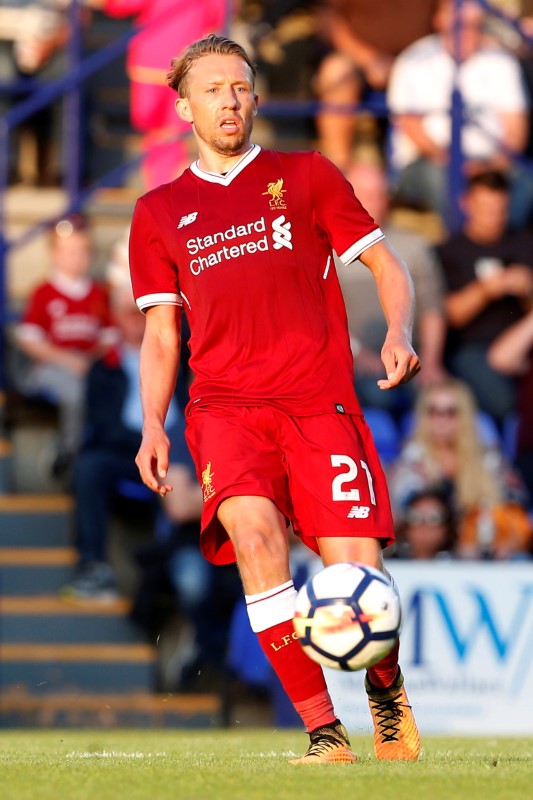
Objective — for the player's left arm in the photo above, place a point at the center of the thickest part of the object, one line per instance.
(396, 295)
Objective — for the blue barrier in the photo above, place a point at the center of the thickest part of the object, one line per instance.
(42, 94)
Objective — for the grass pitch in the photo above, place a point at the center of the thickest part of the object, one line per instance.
(249, 765)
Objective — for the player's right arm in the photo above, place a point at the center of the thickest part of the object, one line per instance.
(158, 371)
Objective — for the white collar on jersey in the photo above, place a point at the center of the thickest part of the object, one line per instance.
(75, 288)
(225, 180)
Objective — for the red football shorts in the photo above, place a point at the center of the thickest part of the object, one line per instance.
(322, 472)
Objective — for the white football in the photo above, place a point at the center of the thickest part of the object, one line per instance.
(348, 616)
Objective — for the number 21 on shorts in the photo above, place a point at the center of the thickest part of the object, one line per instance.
(349, 475)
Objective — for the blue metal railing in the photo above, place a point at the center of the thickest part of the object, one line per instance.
(70, 86)
(42, 95)
(458, 118)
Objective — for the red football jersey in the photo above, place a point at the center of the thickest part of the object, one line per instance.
(249, 254)
(69, 314)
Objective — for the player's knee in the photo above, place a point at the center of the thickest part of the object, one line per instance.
(364, 550)
(255, 544)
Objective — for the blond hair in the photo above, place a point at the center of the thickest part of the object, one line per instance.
(211, 45)
(474, 483)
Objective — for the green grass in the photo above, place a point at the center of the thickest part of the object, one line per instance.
(249, 765)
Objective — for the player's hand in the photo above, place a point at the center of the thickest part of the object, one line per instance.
(400, 361)
(152, 460)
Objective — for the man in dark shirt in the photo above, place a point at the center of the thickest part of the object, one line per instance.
(488, 270)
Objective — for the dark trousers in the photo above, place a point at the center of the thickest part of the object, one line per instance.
(97, 474)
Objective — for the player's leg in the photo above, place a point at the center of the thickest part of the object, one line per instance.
(396, 736)
(342, 506)
(258, 532)
(368, 551)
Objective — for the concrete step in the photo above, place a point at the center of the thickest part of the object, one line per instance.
(35, 571)
(48, 619)
(51, 668)
(20, 709)
(6, 465)
(28, 520)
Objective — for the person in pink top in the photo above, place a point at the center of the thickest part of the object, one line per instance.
(243, 241)
(166, 26)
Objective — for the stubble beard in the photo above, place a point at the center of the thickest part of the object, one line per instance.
(227, 145)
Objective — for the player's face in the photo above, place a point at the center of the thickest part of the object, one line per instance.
(220, 103)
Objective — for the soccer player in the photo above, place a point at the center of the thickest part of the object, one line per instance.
(243, 240)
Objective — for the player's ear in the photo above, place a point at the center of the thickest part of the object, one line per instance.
(183, 109)
(256, 102)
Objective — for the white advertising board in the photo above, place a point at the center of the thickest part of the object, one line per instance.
(466, 649)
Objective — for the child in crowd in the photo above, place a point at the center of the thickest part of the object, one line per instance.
(64, 328)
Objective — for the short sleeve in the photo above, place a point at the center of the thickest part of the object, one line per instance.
(154, 275)
(348, 226)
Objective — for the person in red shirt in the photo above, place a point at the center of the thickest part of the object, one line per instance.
(64, 327)
(243, 240)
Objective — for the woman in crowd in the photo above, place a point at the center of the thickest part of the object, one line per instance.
(446, 450)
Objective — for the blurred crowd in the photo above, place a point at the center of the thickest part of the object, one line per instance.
(456, 443)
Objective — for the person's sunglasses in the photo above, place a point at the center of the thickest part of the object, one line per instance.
(430, 517)
(443, 411)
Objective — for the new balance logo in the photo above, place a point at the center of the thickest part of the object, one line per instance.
(187, 219)
(358, 512)
(282, 235)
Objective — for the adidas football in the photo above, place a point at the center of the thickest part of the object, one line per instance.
(348, 616)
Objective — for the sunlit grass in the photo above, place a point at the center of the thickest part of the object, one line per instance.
(249, 764)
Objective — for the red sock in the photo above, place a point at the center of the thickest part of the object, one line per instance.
(384, 673)
(302, 679)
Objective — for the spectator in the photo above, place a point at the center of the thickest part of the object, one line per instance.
(427, 527)
(512, 354)
(66, 325)
(446, 451)
(361, 47)
(488, 269)
(495, 108)
(32, 36)
(365, 317)
(280, 35)
(113, 435)
(165, 27)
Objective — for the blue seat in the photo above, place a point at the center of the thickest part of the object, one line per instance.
(385, 432)
(488, 430)
(131, 490)
(509, 434)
